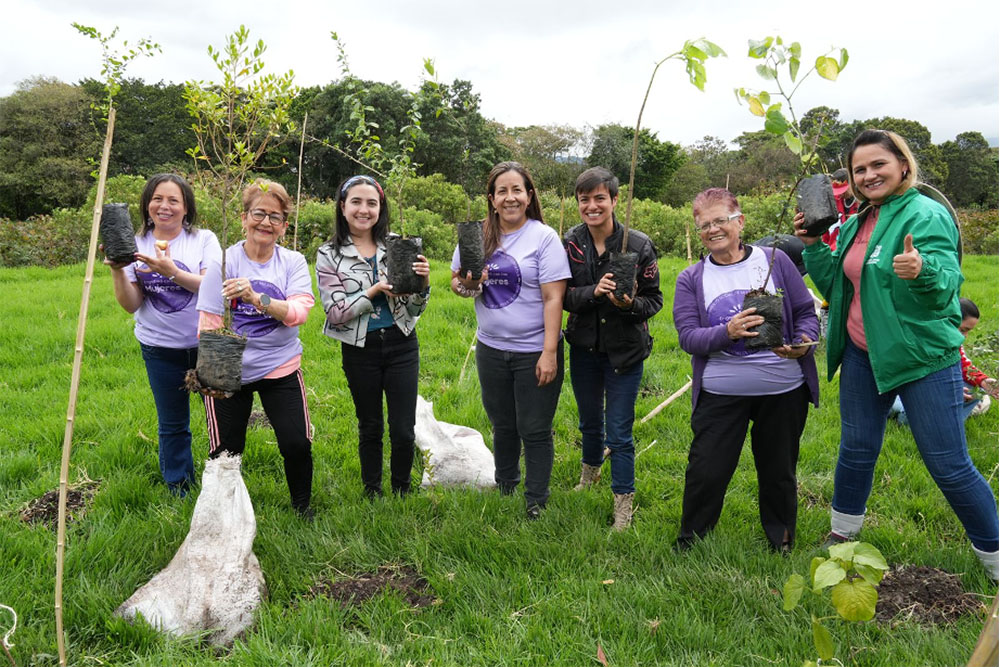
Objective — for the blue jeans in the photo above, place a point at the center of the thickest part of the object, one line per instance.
(898, 411)
(521, 413)
(605, 401)
(935, 415)
(165, 368)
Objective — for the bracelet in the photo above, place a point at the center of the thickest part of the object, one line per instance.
(171, 278)
(466, 292)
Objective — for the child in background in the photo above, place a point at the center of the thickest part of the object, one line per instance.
(972, 376)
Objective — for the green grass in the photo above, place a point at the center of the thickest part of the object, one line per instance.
(511, 592)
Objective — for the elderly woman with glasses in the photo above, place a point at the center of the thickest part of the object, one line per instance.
(733, 386)
(376, 328)
(271, 290)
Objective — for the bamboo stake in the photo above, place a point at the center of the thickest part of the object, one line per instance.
(74, 383)
(669, 400)
(687, 239)
(298, 194)
(985, 652)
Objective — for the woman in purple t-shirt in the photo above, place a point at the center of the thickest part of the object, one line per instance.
(159, 288)
(519, 352)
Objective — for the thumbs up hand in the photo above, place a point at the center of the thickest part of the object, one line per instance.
(908, 264)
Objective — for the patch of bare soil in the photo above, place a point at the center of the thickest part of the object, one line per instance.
(45, 509)
(355, 591)
(258, 420)
(925, 595)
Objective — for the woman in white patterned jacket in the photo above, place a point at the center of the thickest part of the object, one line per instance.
(376, 329)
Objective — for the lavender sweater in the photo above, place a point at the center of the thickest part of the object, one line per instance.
(699, 339)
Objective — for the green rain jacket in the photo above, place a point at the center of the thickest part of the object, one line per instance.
(911, 327)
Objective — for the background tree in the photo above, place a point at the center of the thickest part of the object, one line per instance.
(972, 170)
(550, 152)
(47, 144)
(657, 160)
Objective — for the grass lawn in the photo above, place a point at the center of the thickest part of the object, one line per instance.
(509, 591)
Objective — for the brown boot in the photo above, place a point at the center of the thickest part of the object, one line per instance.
(588, 476)
(623, 511)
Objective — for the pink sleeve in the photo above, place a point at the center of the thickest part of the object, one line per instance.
(208, 321)
(298, 309)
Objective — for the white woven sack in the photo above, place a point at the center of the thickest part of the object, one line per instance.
(214, 582)
(456, 455)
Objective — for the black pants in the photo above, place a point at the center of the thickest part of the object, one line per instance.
(719, 423)
(388, 364)
(284, 402)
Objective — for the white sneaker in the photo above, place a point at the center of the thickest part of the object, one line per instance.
(982, 406)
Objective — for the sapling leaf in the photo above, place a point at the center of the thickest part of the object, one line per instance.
(765, 97)
(843, 550)
(795, 49)
(793, 67)
(775, 123)
(828, 574)
(767, 72)
(822, 640)
(813, 565)
(692, 51)
(871, 575)
(758, 48)
(756, 108)
(794, 587)
(843, 58)
(793, 143)
(827, 68)
(868, 555)
(854, 600)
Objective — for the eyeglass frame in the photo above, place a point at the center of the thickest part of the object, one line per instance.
(264, 214)
(716, 222)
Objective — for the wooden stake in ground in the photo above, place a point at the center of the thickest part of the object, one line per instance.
(669, 400)
(74, 383)
(298, 193)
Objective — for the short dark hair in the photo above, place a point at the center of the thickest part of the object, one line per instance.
(969, 308)
(187, 192)
(342, 231)
(595, 177)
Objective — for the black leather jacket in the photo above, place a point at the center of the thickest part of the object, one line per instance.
(597, 324)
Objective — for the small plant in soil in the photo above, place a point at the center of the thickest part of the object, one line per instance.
(815, 194)
(694, 53)
(851, 575)
(394, 166)
(235, 122)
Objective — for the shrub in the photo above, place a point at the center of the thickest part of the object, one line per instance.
(433, 193)
(47, 240)
(439, 238)
(979, 231)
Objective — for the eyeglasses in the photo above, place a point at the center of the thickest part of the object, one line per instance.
(718, 222)
(259, 215)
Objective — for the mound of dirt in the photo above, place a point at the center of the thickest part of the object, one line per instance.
(45, 509)
(925, 595)
(355, 591)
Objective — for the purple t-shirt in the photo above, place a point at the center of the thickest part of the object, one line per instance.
(510, 311)
(736, 370)
(167, 317)
(270, 343)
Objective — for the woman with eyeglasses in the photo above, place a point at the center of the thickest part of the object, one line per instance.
(733, 386)
(376, 328)
(519, 349)
(893, 288)
(159, 289)
(271, 291)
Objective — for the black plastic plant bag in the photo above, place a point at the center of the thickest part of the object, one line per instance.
(470, 248)
(400, 254)
(769, 332)
(117, 233)
(220, 361)
(623, 268)
(816, 201)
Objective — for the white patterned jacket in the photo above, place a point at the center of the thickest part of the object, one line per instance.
(343, 277)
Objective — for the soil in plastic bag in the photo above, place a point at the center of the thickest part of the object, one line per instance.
(622, 267)
(470, 248)
(400, 254)
(220, 361)
(816, 201)
(117, 233)
(769, 333)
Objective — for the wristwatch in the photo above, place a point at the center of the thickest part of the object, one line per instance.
(265, 301)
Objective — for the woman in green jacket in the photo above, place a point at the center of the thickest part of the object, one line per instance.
(893, 288)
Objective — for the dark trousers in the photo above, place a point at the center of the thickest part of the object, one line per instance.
(719, 423)
(165, 368)
(284, 402)
(388, 364)
(520, 412)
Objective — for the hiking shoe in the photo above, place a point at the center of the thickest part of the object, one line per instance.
(534, 511)
(623, 511)
(834, 539)
(588, 476)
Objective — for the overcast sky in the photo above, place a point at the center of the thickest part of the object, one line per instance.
(581, 63)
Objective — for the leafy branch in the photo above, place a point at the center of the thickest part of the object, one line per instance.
(694, 53)
(114, 62)
(851, 573)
